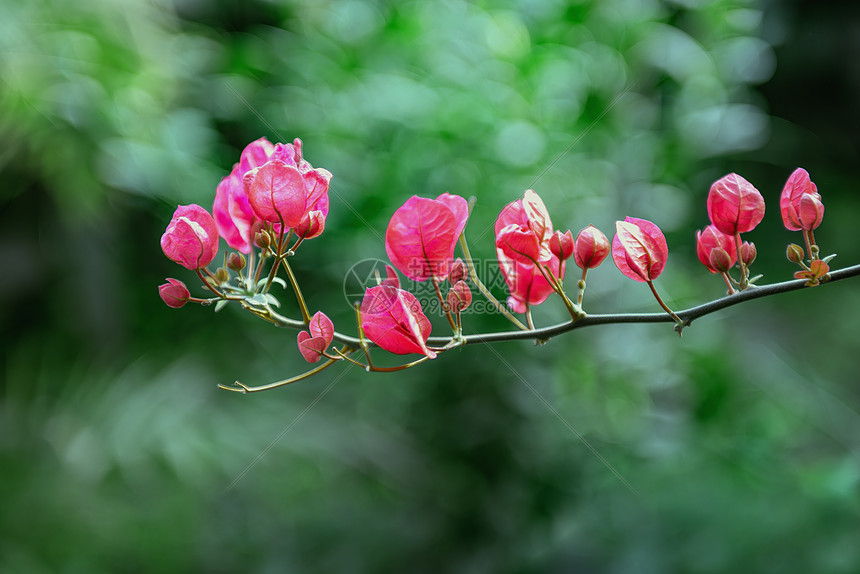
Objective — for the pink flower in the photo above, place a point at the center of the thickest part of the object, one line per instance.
(526, 284)
(174, 293)
(312, 345)
(422, 234)
(392, 318)
(284, 188)
(734, 205)
(191, 238)
(639, 249)
(715, 249)
(800, 203)
(233, 212)
(591, 248)
(523, 230)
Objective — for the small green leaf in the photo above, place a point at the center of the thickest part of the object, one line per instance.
(829, 258)
(272, 300)
(259, 300)
(278, 280)
(220, 304)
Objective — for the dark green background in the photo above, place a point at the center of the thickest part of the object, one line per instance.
(615, 449)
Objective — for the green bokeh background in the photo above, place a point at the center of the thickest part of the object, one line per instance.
(618, 449)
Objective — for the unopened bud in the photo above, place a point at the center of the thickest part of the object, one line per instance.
(262, 239)
(748, 253)
(458, 272)
(561, 244)
(222, 276)
(720, 260)
(459, 297)
(236, 262)
(794, 252)
(174, 293)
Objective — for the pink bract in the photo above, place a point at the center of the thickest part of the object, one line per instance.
(191, 238)
(276, 192)
(392, 318)
(312, 345)
(523, 230)
(459, 297)
(800, 203)
(711, 239)
(591, 248)
(639, 249)
(526, 284)
(422, 234)
(232, 212)
(174, 293)
(735, 205)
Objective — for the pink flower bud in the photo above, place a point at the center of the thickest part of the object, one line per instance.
(311, 226)
(800, 203)
(719, 260)
(459, 297)
(734, 205)
(236, 261)
(459, 271)
(191, 238)
(591, 248)
(748, 253)
(712, 239)
(174, 293)
(639, 249)
(312, 345)
(794, 253)
(561, 244)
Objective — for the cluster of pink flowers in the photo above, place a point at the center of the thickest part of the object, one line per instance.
(271, 185)
(273, 194)
(735, 206)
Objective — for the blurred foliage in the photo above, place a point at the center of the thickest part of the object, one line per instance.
(622, 449)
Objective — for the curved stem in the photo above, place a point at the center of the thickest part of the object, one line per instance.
(306, 316)
(473, 275)
(664, 306)
(243, 388)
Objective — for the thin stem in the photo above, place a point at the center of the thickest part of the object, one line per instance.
(362, 340)
(207, 284)
(444, 305)
(743, 283)
(556, 285)
(664, 306)
(529, 320)
(280, 255)
(306, 316)
(473, 275)
(243, 388)
(728, 281)
(581, 286)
